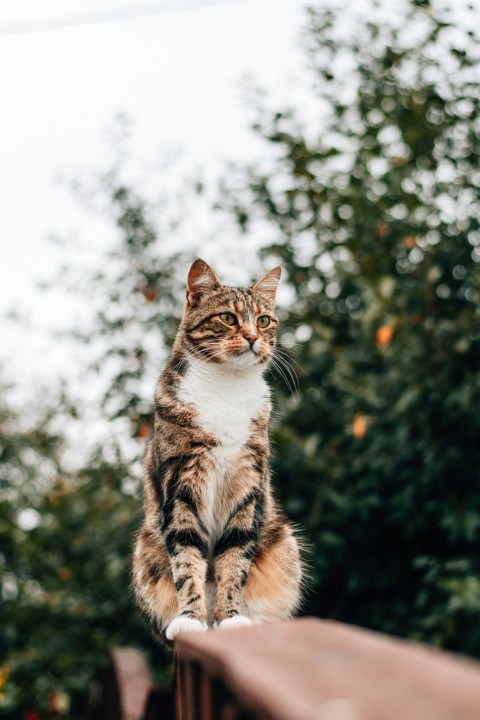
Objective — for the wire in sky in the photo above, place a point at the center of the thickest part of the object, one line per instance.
(106, 15)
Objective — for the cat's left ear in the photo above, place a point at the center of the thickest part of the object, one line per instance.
(267, 285)
(201, 279)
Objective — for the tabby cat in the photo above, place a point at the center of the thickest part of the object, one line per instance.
(215, 547)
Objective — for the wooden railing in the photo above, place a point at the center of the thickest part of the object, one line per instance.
(306, 669)
(126, 691)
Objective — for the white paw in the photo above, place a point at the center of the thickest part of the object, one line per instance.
(235, 621)
(182, 624)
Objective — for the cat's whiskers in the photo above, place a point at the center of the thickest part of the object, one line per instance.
(281, 362)
(289, 377)
(210, 353)
(279, 370)
(290, 359)
(183, 359)
(207, 353)
(284, 362)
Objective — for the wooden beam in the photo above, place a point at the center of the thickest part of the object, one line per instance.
(311, 669)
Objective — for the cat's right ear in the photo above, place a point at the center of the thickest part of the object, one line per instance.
(201, 280)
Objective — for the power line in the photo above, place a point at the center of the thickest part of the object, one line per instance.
(106, 16)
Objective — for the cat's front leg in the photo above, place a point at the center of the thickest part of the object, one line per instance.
(189, 569)
(187, 546)
(231, 573)
(233, 555)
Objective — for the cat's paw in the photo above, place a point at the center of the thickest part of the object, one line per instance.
(234, 622)
(183, 624)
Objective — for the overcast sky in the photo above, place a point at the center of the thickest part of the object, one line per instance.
(68, 69)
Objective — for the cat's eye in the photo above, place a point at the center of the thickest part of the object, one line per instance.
(228, 318)
(263, 321)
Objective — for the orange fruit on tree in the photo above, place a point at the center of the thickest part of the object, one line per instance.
(359, 428)
(384, 335)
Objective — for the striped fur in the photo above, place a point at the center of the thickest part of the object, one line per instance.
(215, 547)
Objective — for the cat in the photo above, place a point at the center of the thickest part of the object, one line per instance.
(215, 548)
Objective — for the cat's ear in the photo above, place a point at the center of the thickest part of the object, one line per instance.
(201, 280)
(267, 285)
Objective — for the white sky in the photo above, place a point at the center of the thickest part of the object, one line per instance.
(175, 74)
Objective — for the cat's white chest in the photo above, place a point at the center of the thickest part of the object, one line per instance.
(226, 401)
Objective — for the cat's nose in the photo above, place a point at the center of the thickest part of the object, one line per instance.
(250, 338)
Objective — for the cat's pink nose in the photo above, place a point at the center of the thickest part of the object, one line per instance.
(250, 338)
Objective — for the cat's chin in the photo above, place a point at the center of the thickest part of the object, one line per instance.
(243, 360)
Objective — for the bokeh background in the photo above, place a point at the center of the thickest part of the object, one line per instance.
(341, 141)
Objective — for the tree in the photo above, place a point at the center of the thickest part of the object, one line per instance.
(65, 543)
(135, 296)
(68, 525)
(376, 214)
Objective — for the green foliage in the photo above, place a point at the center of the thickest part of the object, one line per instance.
(65, 549)
(69, 515)
(376, 214)
(135, 294)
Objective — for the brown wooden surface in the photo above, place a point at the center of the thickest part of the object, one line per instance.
(133, 682)
(310, 669)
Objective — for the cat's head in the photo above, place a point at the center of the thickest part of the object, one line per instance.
(230, 325)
